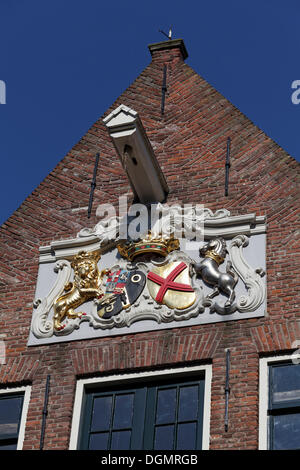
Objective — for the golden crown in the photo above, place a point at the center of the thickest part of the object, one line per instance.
(149, 244)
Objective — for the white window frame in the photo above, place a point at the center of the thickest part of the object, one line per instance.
(140, 377)
(264, 393)
(27, 391)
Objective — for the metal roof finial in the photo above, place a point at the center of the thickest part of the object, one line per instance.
(169, 36)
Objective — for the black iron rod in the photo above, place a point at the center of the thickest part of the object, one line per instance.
(165, 34)
(227, 388)
(45, 412)
(227, 166)
(93, 185)
(164, 90)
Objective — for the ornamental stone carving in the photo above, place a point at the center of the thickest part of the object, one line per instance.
(108, 286)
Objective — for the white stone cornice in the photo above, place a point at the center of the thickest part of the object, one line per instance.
(106, 232)
(220, 223)
(64, 249)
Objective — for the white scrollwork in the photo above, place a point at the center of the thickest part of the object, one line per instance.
(219, 214)
(145, 308)
(189, 219)
(252, 278)
(106, 230)
(41, 326)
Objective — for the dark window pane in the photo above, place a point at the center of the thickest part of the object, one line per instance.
(166, 404)
(164, 438)
(121, 440)
(8, 446)
(123, 411)
(186, 436)
(286, 382)
(286, 432)
(99, 441)
(101, 413)
(188, 403)
(10, 412)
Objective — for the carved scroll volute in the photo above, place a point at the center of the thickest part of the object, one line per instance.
(41, 326)
(252, 278)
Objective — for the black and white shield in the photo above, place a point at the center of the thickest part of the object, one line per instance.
(122, 290)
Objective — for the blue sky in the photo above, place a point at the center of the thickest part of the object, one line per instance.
(65, 61)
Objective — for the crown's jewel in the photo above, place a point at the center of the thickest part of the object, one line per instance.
(149, 244)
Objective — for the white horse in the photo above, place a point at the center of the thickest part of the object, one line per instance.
(214, 253)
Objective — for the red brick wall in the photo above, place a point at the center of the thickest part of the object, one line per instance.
(190, 144)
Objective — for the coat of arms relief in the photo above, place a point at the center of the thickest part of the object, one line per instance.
(112, 285)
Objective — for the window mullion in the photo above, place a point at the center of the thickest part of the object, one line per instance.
(150, 414)
(176, 416)
(111, 420)
(201, 397)
(138, 419)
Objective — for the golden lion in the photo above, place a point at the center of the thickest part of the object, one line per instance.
(86, 286)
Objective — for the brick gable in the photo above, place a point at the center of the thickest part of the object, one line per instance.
(190, 144)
